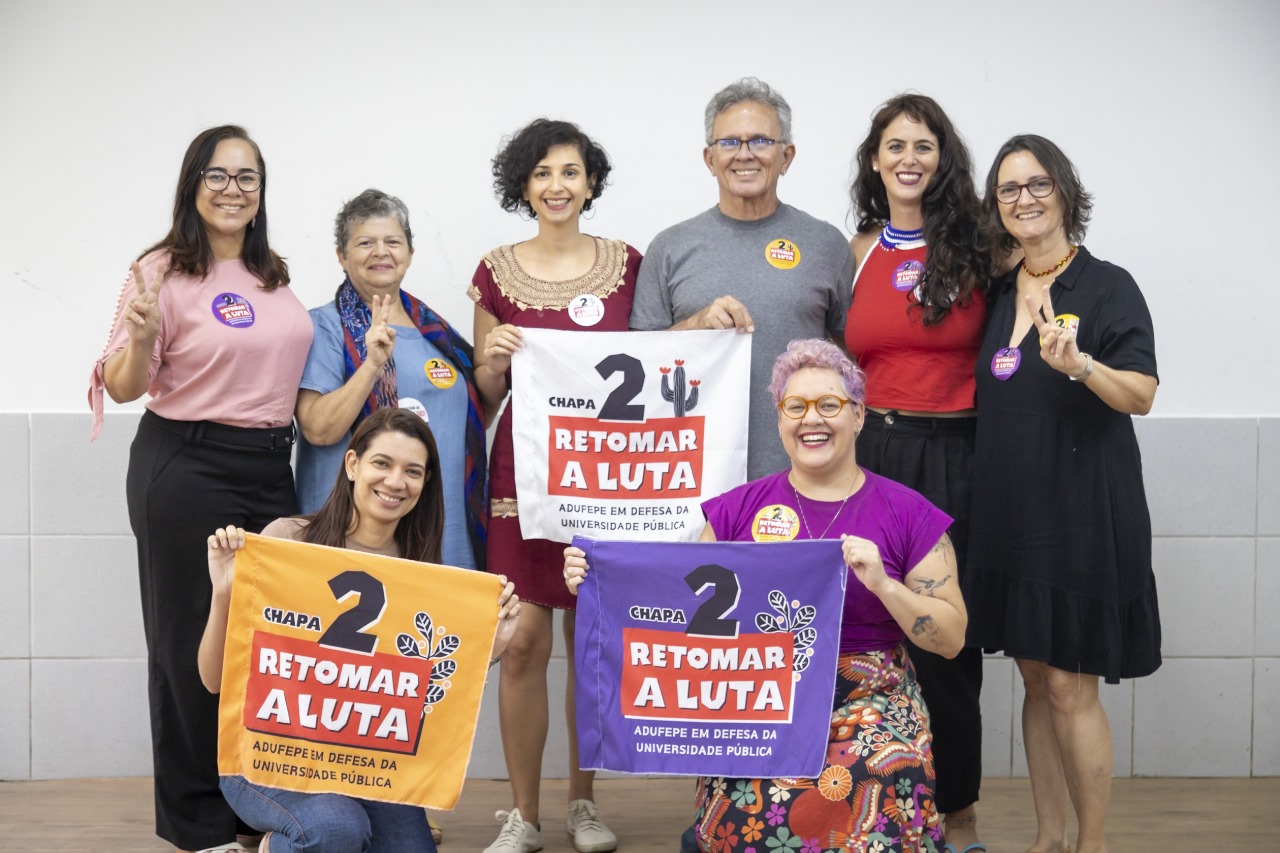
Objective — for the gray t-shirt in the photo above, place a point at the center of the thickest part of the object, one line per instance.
(793, 272)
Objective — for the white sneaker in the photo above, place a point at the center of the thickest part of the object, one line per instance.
(588, 832)
(516, 835)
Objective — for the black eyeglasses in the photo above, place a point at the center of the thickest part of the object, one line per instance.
(217, 180)
(1038, 187)
(756, 144)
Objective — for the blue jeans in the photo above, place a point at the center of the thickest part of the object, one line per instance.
(328, 823)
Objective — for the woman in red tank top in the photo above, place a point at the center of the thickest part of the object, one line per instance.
(914, 325)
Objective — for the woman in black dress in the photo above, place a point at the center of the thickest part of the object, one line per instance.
(1060, 572)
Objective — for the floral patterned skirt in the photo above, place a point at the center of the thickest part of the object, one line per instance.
(875, 792)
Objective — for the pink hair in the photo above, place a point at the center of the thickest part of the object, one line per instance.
(815, 352)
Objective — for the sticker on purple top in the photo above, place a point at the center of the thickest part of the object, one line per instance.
(1005, 362)
(907, 275)
(233, 310)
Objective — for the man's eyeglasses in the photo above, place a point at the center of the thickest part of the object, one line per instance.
(756, 144)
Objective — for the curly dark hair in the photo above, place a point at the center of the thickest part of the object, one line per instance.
(521, 153)
(187, 241)
(958, 261)
(1077, 205)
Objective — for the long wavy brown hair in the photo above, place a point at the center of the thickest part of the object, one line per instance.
(419, 533)
(958, 260)
(187, 241)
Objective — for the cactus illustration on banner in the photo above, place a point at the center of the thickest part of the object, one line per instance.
(676, 395)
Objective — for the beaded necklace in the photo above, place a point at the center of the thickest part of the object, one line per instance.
(1059, 265)
(892, 238)
(800, 506)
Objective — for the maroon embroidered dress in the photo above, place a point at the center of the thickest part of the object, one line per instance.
(510, 294)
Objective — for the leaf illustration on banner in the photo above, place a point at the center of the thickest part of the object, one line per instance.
(768, 623)
(423, 623)
(442, 670)
(803, 617)
(800, 663)
(806, 638)
(778, 602)
(447, 646)
(407, 646)
(433, 695)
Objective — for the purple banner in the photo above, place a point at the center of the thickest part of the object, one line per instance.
(705, 658)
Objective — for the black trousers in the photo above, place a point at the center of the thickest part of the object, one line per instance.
(186, 480)
(934, 456)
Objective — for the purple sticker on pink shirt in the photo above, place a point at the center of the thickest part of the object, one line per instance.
(907, 275)
(1005, 363)
(233, 310)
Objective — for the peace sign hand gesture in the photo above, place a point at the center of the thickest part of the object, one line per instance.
(380, 340)
(1057, 342)
(142, 314)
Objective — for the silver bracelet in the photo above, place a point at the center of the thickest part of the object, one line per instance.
(1088, 369)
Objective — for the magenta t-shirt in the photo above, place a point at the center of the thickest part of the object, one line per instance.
(903, 525)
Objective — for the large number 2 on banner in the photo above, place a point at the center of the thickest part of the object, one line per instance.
(347, 631)
(708, 620)
(618, 406)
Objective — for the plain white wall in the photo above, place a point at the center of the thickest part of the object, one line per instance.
(1169, 110)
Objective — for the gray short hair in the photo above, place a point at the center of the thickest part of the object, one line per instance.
(749, 89)
(370, 204)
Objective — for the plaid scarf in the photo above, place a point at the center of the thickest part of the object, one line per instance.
(356, 319)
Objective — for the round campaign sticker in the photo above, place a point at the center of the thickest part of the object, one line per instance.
(415, 407)
(782, 254)
(1005, 362)
(907, 275)
(1070, 322)
(586, 309)
(440, 373)
(775, 523)
(233, 310)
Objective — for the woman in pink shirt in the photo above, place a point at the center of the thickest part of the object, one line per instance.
(207, 326)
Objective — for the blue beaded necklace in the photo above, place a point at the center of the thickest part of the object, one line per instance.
(892, 238)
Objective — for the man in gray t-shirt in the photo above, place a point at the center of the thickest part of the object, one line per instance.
(750, 263)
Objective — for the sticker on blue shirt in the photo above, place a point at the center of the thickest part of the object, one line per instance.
(233, 310)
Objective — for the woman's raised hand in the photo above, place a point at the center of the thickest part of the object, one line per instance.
(142, 314)
(499, 345)
(862, 556)
(1057, 342)
(508, 616)
(575, 568)
(223, 545)
(380, 340)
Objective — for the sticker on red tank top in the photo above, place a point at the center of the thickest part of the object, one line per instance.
(586, 309)
(414, 406)
(775, 523)
(907, 275)
(782, 254)
(1005, 362)
(233, 310)
(440, 373)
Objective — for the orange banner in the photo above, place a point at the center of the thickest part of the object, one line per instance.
(354, 674)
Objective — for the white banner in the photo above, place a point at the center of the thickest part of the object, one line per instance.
(622, 435)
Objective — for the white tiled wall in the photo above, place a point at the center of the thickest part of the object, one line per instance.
(72, 660)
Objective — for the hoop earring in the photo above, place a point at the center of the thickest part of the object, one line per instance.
(588, 214)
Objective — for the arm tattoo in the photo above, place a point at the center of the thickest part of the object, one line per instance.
(944, 547)
(925, 628)
(928, 586)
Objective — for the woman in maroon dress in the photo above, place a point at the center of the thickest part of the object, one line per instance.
(551, 171)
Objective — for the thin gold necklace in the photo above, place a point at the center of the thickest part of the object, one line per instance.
(800, 506)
